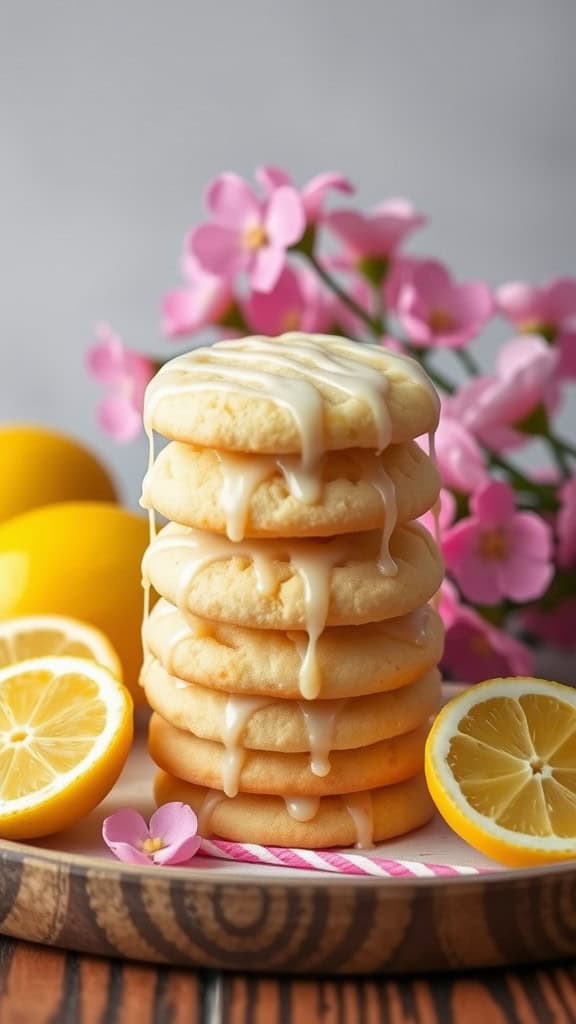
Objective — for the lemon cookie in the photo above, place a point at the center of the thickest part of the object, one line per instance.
(297, 393)
(352, 660)
(291, 584)
(262, 723)
(210, 764)
(353, 819)
(268, 496)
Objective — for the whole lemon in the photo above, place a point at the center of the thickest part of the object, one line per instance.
(39, 467)
(80, 559)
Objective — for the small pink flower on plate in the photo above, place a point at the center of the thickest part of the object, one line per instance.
(436, 311)
(202, 303)
(498, 552)
(494, 405)
(549, 310)
(126, 373)
(247, 233)
(375, 234)
(313, 194)
(171, 838)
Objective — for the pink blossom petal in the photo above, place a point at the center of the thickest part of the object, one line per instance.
(173, 822)
(534, 535)
(555, 626)
(126, 826)
(494, 504)
(218, 250)
(281, 308)
(475, 575)
(232, 202)
(530, 356)
(117, 416)
(105, 359)
(129, 854)
(472, 302)
(270, 177)
(459, 457)
(354, 229)
(522, 578)
(284, 218)
(178, 852)
(315, 192)
(561, 301)
(566, 344)
(520, 303)
(566, 525)
(179, 313)
(432, 283)
(266, 267)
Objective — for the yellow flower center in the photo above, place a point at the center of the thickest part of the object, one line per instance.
(255, 237)
(152, 845)
(440, 322)
(291, 321)
(494, 546)
(480, 644)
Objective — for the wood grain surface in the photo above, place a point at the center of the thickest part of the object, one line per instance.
(203, 918)
(45, 986)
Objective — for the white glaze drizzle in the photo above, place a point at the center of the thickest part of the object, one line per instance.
(361, 810)
(239, 709)
(297, 364)
(210, 802)
(302, 808)
(320, 724)
(314, 563)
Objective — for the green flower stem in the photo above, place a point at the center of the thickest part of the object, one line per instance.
(559, 456)
(467, 361)
(565, 446)
(373, 324)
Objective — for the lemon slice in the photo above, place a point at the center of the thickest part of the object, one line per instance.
(501, 769)
(33, 636)
(65, 733)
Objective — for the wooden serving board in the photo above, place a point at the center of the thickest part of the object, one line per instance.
(67, 891)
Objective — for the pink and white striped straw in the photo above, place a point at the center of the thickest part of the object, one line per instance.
(332, 861)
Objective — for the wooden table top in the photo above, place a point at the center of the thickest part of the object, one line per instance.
(46, 986)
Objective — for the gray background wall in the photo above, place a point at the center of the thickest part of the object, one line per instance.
(116, 113)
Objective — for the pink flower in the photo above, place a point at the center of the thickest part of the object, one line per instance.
(549, 310)
(436, 311)
(247, 233)
(313, 194)
(126, 373)
(498, 552)
(566, 525)
(203, 303)
(172, 837)
(555, 626)
(446, 514)
(474, 650)
(459, 457)
(376, 234)
(297, 302)
(492, 406)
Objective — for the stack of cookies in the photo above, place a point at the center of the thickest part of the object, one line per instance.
(290, 662)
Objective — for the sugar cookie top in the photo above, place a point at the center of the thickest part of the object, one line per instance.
(297, 393)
